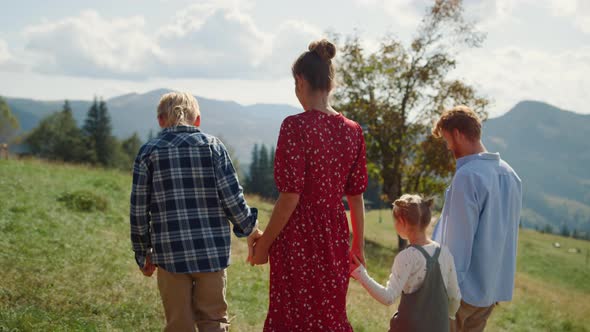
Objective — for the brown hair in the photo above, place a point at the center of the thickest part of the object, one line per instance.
(461, 118)
(316, 66)
(414, 209)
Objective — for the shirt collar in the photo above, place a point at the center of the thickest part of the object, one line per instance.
(180, 129)
(481, 156)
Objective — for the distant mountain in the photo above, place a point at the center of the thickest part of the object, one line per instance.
(550, 149)
(239, 126)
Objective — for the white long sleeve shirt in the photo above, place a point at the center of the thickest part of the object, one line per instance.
(407, 275)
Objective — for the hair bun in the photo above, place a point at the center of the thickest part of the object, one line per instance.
(324, 48)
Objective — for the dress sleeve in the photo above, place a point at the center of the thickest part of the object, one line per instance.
(289, 170)
(358, 178)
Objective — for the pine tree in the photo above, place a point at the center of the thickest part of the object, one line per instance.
(97, 128)
(252, 185)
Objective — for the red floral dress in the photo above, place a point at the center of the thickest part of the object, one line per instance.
(322, 157)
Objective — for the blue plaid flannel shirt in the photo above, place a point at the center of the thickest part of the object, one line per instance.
(185, 189)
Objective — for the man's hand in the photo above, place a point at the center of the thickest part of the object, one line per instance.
(252, 238)
(148, 267)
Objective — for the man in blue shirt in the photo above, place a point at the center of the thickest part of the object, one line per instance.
(185, 190)
(479, 221)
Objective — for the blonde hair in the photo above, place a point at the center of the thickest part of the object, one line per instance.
(461, 118)
(179, 109)
(414, 209)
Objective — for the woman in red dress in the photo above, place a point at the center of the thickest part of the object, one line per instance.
(320, 158)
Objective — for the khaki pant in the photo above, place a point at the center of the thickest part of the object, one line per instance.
(194, 298)
(470, 318)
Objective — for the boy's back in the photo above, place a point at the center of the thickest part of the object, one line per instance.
(186, 181)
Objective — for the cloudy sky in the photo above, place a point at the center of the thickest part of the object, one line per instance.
(242, 50)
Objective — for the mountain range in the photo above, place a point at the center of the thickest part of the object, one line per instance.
(548, 147)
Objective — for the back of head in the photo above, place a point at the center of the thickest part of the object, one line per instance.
(461, 118)
(414, 209)
(316, 66)
(178, 109)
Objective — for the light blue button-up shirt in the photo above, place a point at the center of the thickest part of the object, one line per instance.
(479, 224)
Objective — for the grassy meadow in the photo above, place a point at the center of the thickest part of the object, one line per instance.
(67, 265)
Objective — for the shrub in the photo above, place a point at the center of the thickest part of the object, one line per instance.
(84, 201)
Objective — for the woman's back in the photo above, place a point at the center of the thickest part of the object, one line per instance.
(324, 152)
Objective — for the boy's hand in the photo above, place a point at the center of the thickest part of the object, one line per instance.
(252, 238)
(148, 267)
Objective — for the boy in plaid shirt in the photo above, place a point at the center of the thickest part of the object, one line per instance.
(185, 190)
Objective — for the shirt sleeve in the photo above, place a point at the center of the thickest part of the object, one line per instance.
(358, 178)
(231, 195)
(289, 167)
(453, 291)
(140, 210)
(463, 219)
(387, 295)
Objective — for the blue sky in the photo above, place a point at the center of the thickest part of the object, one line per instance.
(241, 50)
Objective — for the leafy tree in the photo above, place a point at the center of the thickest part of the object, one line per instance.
(8, 122)
(131, 145)
(58, 137)
(399, 90)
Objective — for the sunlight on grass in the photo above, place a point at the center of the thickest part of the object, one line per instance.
(71, 270)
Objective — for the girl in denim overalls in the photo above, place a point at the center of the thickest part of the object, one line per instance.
(423, 274)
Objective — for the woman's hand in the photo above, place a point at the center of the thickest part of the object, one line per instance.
(252, 239)
(358, 251)
(259, 254)
(354, 264)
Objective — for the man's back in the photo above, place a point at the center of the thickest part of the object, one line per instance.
(479, 224)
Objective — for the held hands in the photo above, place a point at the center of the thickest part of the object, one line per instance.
(148, 268)
(257, 251)
(354, 264)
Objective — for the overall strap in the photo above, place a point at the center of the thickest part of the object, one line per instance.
(420, 249)
(429, 258)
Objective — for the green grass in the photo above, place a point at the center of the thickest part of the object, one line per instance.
(66, 268)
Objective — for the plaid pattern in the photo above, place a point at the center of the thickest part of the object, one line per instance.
(185, 188)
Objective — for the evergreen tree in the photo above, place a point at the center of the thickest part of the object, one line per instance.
(564, 230)
(252, 186)
(97, 129)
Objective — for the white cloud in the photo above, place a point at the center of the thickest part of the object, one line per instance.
(205, 40)
(511, 74)
(576, 10)
(405, 13)
(90, 45)
(8, 61)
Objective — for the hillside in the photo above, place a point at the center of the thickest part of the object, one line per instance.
(240, 126)
(65, 269)
(549, 148)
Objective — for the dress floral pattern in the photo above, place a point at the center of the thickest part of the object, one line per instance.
(321, 157)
